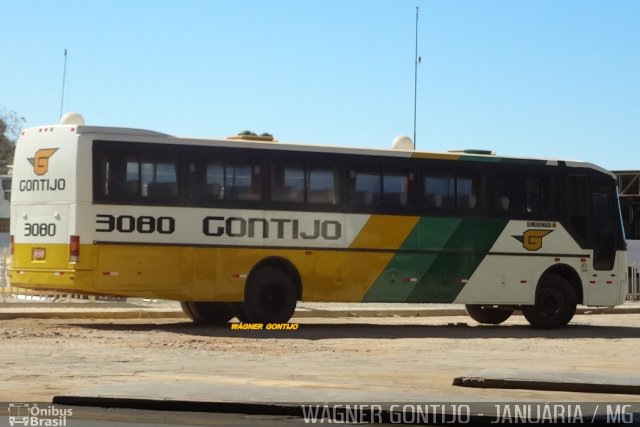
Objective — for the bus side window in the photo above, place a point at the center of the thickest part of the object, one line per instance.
(509, 194)
(540, 198)
(206, 181)
(439, 191)
(159, 179)
(121, 175)
(577, 206)
(397, 189)
(287, 183)
(469, 193)
(364, 188)
(242, 181)
(322, 185)
(214, 181)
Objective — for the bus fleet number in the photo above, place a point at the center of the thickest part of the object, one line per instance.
(129, 224)
(38, 230)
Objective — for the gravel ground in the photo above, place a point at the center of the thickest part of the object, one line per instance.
(385, 358)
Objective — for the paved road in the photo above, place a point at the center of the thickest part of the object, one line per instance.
(131, 418)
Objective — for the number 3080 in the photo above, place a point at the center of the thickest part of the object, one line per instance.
(36, 229)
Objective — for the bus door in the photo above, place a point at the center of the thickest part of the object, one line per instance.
(593, 222)
(603, 226)
(592, 216)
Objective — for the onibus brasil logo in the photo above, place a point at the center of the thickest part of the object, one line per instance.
(32, 414)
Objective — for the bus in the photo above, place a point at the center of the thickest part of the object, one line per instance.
(629, 191)
(246, 227)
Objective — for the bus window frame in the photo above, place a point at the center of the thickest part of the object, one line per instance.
(364, 167)
(102, 150)
(411, 202)
(444, 209)
(337, 187)
(478, 208)
(524, 173)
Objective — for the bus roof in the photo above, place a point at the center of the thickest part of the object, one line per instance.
(120, 133)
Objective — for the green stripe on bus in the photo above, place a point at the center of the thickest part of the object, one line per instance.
(486, 159)
(459, 247)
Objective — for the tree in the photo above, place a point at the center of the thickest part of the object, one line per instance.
(10, 127)
(251, 133)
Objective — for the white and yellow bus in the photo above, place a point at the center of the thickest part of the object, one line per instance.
(244, 228)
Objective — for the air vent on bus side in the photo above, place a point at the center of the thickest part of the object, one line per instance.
(253, 138)
(474, 151)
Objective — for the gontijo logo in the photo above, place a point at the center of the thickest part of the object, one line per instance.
(532, 239)
(40, 162)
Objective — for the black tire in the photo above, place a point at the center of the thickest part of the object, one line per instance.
(555, 304)
(270, 297)
(210, 313)
(238, 308)
(488, 314)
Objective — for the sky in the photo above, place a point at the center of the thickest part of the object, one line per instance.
(543, 78)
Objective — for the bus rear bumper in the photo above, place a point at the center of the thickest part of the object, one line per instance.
(50, 280)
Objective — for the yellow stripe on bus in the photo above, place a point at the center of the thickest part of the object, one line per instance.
(210, 273)
(440, 156)
(384, 232)
(347, 275)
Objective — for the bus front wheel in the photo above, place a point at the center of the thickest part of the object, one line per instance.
(555, 304)
(211, 313)
(270, 297)
(488, 314)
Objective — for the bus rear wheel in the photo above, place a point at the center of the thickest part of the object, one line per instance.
(210, 313)
(270, 297)
(488, 314)
(555, 304)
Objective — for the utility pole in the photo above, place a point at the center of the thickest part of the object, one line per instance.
(64, 77)
(415, 83)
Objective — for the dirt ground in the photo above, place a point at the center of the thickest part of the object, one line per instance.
(382, 358)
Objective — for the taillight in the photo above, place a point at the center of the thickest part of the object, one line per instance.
(11, 246)
(74, 248)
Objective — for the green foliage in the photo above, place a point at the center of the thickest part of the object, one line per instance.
(13, 124)
(251, 133)
(10, 127)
